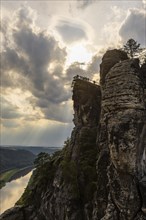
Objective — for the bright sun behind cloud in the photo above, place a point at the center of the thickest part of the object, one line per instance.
(78, 53)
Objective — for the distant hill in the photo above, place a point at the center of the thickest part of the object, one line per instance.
(11, 158)
(34, 149)
(37, 150)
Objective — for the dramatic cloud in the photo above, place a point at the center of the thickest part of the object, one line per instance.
(25, 16)
(26, 61)
(9, 111)
(134, 27)
(62, 112)
(10, 124)
(71, 32)
(94, 65)
(89, 70)
(75, 69)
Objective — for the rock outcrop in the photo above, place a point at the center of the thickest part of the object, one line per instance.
(101, 171)
(124, 109)
(121, 139)
(110, 58)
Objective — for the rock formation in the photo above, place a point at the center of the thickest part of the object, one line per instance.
(101, 171)
(110, 58)
(124, 109)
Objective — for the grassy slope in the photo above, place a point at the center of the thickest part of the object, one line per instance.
(5, 177)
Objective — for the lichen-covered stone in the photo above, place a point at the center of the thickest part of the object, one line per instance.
(87, 99)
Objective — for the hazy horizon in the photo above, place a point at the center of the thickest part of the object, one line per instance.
(18, 145)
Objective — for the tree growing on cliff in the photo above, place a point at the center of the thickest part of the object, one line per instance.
(41, 159)
(131, 47)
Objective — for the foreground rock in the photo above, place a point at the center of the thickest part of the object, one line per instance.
(110, 58)
(124, 109)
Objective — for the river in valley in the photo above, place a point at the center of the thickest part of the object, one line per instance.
(12, 191)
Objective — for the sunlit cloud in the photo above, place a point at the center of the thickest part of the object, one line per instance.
(26, 64)
(71, 32)
(78, 53)
(40, 133)
(134, 26)
(144, 2)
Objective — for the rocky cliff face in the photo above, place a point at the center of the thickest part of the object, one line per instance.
(121, 139)
(123, 108)
(110, 58)
(101, 171)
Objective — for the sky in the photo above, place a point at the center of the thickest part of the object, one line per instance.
(43, 44)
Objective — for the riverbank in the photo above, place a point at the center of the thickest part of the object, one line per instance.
(12, 191)
(13, 174)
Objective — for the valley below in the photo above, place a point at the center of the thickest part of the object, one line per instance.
(16, 167)
(12, 191)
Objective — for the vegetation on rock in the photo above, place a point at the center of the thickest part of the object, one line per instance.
(43, 175)
(131, 48)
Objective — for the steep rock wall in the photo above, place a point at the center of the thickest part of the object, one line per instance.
(110, 58)
(124, 109)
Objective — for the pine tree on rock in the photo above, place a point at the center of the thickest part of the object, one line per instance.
(131, 47)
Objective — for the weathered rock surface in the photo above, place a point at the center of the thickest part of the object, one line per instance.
(110, 58)
(13, 213)
(123, 108)
(70, 196)
(101, 171)
(143, 74)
